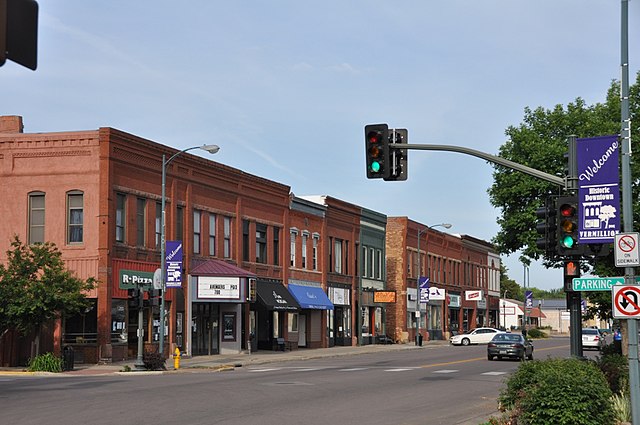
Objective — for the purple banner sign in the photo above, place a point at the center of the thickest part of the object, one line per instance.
(173, 256)
(598, 189)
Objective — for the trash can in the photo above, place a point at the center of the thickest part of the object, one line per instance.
(419, 340)
(67, 358)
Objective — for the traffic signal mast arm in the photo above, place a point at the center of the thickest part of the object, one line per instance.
(488, 157)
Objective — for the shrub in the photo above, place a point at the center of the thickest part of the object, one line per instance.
(47, 362)
(621, 407)
(536, 333)
(153, 361)
(558, 392)
(615, 368)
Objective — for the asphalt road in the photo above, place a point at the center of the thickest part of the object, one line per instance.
(434, 385)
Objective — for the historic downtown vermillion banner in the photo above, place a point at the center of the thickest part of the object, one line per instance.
(598, 189)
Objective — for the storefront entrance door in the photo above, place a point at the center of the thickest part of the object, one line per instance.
(205, 334)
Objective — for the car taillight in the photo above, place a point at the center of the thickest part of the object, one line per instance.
(518, 345)
(596, 337)
(491, 344)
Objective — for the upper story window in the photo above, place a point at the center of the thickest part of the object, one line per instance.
(261, 243)
(158, 224)
(141, 206)
(212, 234)
(227, 237)
(245, 240)
(180, 224)
(276, 246)
(337, 255)
(197, 231)
(121, 200)
(36, 217)
(372, 263)
(75, 217)
(314, 254)
(304, 251)
(292, 249)
(379, 264)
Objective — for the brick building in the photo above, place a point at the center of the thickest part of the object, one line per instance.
(464, 279)
(262, 268)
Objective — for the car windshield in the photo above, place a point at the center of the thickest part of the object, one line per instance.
(507, 338)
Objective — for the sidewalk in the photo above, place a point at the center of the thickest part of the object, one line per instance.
(221, 362)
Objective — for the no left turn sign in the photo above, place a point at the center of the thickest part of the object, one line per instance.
(626, 301)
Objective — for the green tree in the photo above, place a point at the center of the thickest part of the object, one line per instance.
(540, 142)
(510, 286)
(36, 287)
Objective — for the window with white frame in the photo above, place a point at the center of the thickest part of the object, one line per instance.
(292, 248)
(304, 251)
(227, 237)
(36, 217)
(337, 255)
(212, 234)
(75, 217)
(379, 264)
(197, 231)
(315, 252)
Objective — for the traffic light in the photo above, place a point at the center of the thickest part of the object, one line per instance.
(397, 157)
(571, 270)
(377, 150)
(567, 216)
(154, 299)
(19, 32)
(546, 227)
(136, 297)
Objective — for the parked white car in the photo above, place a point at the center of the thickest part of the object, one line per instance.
(475, 336)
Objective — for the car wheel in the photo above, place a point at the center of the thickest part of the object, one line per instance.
(530, 356)
(465, 341)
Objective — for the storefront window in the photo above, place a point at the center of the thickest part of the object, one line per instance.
(366, 321)
(293, 322)
(377, 320)
(82, 328)
(276, 325)
(118, 322)
(229, 326)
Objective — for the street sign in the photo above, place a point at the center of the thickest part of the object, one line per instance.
(626, 251)
(626, 301)
(424, 289)
(598, 191)
(596, 283)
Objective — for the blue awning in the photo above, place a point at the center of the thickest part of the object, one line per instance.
(310, 297)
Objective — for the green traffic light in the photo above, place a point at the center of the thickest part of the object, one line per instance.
(375, 166)
(568, 242)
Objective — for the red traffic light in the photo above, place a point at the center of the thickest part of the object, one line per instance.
(567, 210)
(374, 137)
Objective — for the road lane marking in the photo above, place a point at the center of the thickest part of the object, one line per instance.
(494, 373)
(400, 369)
(474, 359)
(353, 369)
(446, 371)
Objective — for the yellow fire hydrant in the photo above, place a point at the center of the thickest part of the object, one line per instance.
(176, 359)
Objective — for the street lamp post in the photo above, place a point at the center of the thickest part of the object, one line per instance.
(420, 233)
(163, 280)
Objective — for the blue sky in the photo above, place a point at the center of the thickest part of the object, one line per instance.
(286, 87)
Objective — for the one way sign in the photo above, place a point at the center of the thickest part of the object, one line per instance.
(626, 301)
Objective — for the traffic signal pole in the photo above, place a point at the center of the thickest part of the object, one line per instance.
(627, 207)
